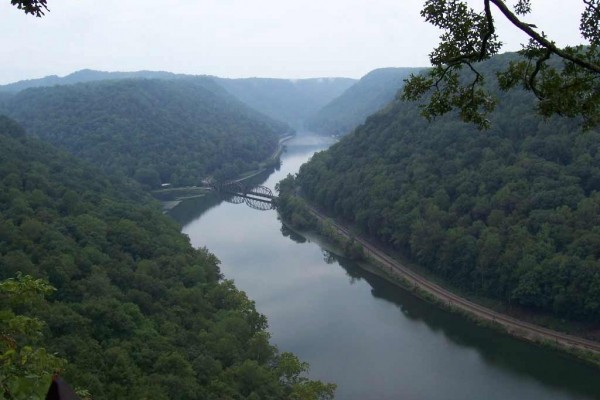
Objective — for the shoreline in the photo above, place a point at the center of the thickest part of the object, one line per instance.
(276, 154)
(380, 262)
(168, 205)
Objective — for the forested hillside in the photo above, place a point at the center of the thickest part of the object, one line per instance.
(370, 94)
(157, 131)
(291, 101)
(138, 313)
(287, 100)
(512, 212)
(82, 76)
(4, 98)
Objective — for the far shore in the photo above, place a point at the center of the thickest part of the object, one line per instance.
(191, 192)
(380, 262)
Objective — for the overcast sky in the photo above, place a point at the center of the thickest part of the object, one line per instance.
(237, 38)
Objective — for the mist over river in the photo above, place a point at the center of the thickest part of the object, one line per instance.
(375, 340)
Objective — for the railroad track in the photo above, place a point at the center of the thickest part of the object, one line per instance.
(514, 326)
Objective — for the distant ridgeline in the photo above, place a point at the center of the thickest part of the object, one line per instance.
(367, 96)
(288, 100)
(85, 75)
(178, 131)
(512, 212)
(138, 313)
(291, 101)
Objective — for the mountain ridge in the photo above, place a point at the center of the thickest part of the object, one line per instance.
(289, 100)
(138, 313)
(158, 131)
(510, 213)
(370, 94)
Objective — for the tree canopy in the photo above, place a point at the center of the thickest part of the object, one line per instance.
(137, 311)
(371, 93)
(564, 80)
(25, 368)
(176, 131)
(510, 214)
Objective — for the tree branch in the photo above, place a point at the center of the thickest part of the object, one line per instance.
(532, 77)
(491, 29)
(441, 78)
(542, 40)
(478, 77)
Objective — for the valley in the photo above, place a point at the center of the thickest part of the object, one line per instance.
(355, 328)
(508, 215)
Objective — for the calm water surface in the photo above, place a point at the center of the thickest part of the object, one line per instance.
(376, 341)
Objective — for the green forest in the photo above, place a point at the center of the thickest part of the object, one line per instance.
(367, 96)
(292, 101)
(136, 311)
(510, 213)
(178, 131)
(85, 75)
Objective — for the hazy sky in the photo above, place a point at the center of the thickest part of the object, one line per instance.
(236, 38)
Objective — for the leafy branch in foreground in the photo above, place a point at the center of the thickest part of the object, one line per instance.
(33, 7)
(25, 367)
(564, 80)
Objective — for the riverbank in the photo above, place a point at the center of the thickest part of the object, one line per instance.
(372, 338)
(379, 261)
(171, 197)
(268, 162)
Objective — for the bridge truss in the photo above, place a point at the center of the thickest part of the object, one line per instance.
(257, 197)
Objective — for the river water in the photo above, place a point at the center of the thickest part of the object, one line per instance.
(375, 340)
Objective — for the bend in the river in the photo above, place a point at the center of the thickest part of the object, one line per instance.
(375, 340)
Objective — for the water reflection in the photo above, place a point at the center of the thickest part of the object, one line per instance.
(374, 340)
(287, 232)
(516, 357)
(192, 209)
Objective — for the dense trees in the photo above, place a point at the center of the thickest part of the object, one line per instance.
(511, 212)
(137, 312)
(178, 131)
(371, 93)
(25, 368)
(287, 100)
(86, 76)
(565, 80)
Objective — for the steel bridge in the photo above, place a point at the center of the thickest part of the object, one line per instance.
(257, 197)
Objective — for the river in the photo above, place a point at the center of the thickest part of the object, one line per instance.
(375, 340)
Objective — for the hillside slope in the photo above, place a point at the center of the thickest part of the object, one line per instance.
(511, 213)
(291, 101)
(83, 76)
(138, 313)
(370, 94)
(157, 131)
(287, 100)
